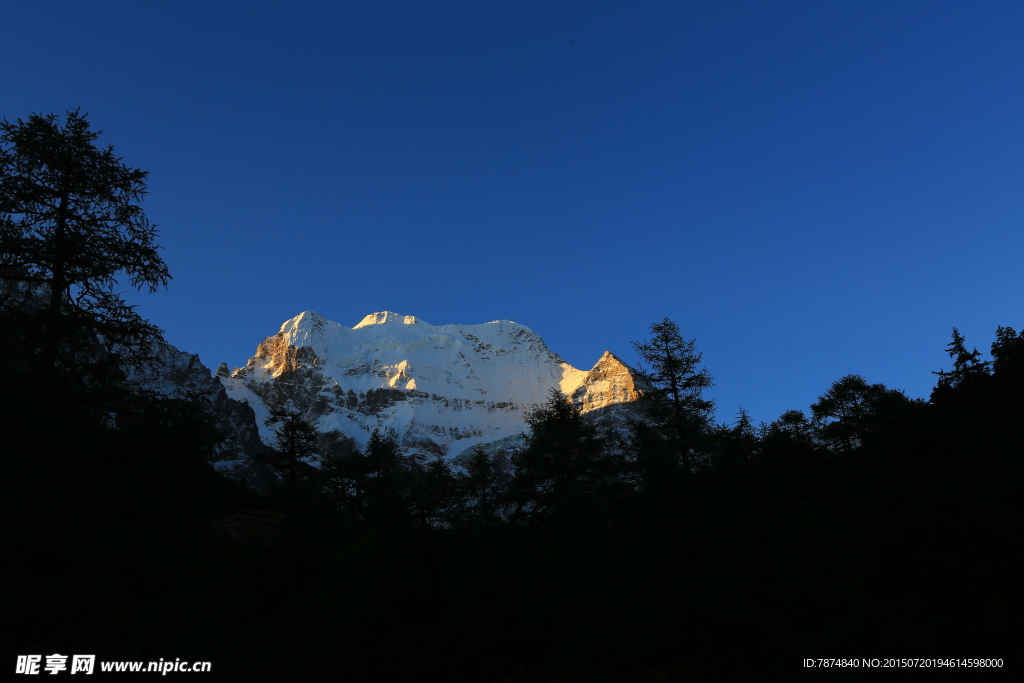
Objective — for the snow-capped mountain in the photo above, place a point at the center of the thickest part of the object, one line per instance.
(437, 389)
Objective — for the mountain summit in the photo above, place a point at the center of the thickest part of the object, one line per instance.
(437, 389)
(384, 317)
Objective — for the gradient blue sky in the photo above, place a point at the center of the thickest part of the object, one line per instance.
(808, 188)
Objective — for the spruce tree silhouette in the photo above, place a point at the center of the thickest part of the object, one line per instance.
(344, 481)
(387, 484)
(296, 441)
(967, 380)
(852, 409)
(789, 442)
(1008, 376)
(480, 487)
(436, 495)
(563, 462)
(676, 406)
(70, 227)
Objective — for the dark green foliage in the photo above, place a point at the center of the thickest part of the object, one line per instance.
(1008, 354)
(655, 466)
(71, 229)
(387, 483)
(968, 373)
(1007, 393)
(986, 397)
(676, 405)
(482, 488)
(789, 442)
(370, 488)
(70, 226)
(851, 410)
(344, 479)
(736, 446)
(296, 441)
(104, 481)
(436, 495)
(564, 465)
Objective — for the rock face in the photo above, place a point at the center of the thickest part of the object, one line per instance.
(609, 382)
(438, 390)
(179, 374)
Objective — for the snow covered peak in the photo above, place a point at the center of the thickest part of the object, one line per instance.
(385, 317)
(309, 329)
(305, 321)
(438, 389)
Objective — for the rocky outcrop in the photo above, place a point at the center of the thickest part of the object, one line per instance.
(179, 374)
(609, 382)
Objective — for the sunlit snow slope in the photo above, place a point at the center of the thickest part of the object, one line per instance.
(437, 390)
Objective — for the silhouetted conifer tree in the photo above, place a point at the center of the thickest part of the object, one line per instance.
(563, 464)
(1008, 352)
(435, 495)
(1008, 373)
(736, 446)
(295, 442)
(852, 409)
(984, 397)
(676, 406)
(387, 482)
(344, 479)
(71, 231)
(70, 226)
(968, 378)
(789, 441)
(481, 489)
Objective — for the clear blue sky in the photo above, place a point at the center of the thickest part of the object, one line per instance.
(808, 188)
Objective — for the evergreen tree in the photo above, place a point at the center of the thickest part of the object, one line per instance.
(387, 482)
(70, 226)
(1008, 353)
(295, 442)
(1008, 373)
(481, 486)
(563, 463)
(967, 379)
(382, 458)
(71, 231)
(675, 406)
(435, 494)
(789, 441)
(852, 409)
(736, 446)
(344, 478)
(988, 395)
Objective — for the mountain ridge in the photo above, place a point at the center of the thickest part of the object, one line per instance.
(437, 389)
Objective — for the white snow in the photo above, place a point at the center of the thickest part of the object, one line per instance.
(464, 384)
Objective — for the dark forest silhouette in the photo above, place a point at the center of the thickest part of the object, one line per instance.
(873, 526)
